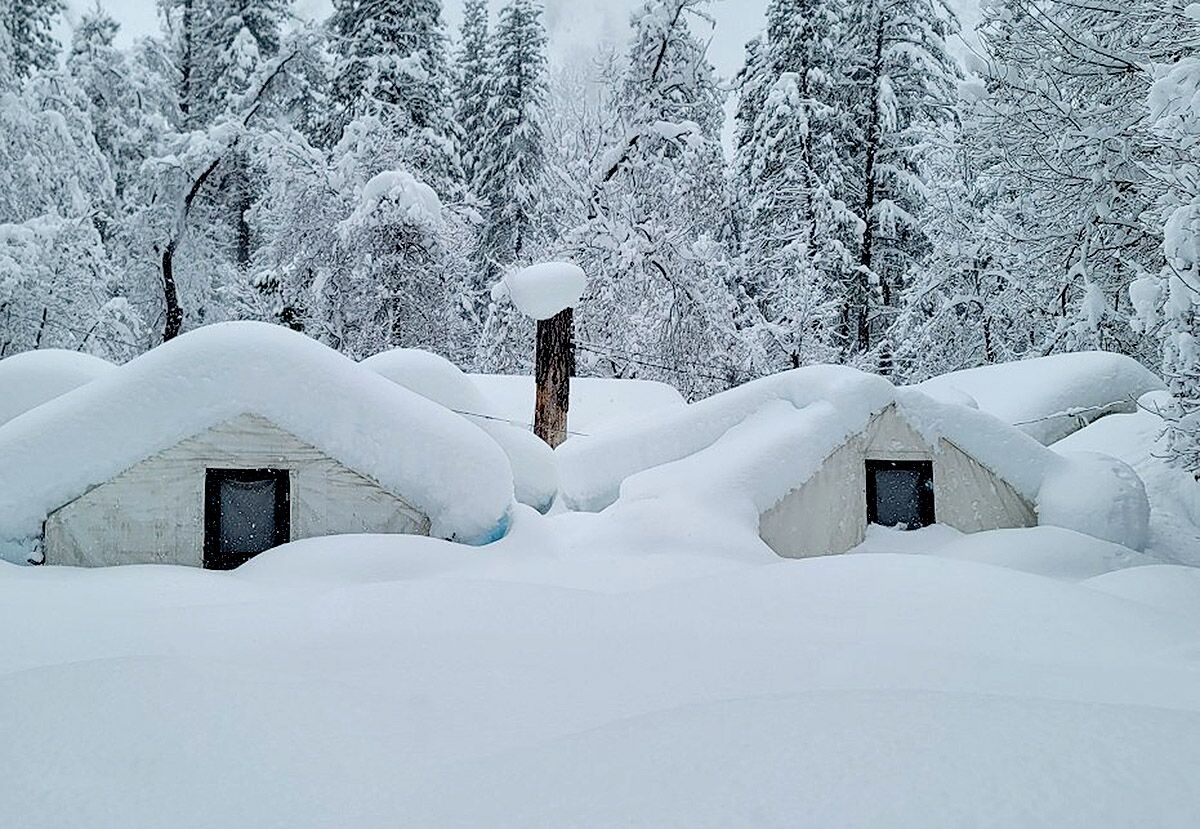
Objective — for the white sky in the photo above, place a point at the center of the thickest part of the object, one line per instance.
(573, 24)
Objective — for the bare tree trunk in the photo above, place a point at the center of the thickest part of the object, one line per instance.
(171, 294)
(554, 363)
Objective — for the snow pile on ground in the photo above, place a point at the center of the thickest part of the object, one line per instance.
(1049, 397)
(1096, 494)
(543, 290)
(553, 679)
(1174, 495)
(1053, 552)
(443, 466)
(742, 451)
(31, 378)
(596, 402)
(1172, 588)
(436, 378)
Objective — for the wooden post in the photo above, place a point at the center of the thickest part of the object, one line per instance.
(554, 363)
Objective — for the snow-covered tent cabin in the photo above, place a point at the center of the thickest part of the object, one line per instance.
(1050, 397)
(810, 457)
(535, 477)
(233, 439)
(31, 378)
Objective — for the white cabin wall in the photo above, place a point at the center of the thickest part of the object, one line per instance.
(153, 512)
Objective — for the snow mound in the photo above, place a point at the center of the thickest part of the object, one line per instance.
(415, 200)
(535, 477)
(596, 402)
(1054, 552)
(1050, 397)
(543, 290)
(29, 379)
(444, 467)
(1173, 588)
(1099, 495)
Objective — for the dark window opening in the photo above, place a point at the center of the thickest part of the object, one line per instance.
(900, 493)
(246, 511)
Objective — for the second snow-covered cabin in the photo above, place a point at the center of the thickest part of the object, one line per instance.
(233, 439)
(813, 456)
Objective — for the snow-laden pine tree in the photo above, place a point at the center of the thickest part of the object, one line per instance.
(30, 25)
(472, 86)
(661, 301)
(391, 63)
(898, 89)
(798, 235)
(512, 159)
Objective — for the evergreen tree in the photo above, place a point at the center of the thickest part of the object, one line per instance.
(30, 25)
(791, 162)
(391, 63)
(898, 90)
(511, 163)
(473, 86)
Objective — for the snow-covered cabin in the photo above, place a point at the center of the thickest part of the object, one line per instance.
(31, 378)
(233, 439)
(811, 457)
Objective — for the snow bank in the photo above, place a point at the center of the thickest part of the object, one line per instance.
(31, 378)
(1050, 397)
(436, 378)
(596, 402)
(1174, 495)
(1053, 552)
(882, 690)
(1168, 587)
(1096, 494)
(543, 290)
(441, 465)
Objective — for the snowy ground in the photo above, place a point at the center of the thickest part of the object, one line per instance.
(627, 668)
(564, 677)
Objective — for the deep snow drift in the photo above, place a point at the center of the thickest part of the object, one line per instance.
(31, 378)
(558, 679)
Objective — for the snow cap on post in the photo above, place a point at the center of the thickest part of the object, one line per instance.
(543, 290)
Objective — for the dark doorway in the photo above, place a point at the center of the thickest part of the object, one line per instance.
(246, 511)
(900, 493)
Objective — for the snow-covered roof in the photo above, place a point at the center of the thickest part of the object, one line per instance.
(437, 462)
(31, 378)
(743, 450)
(436, 378)
(1049, 397)
(596, 402)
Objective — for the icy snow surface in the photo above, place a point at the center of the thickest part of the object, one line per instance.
(31, 378)
(443, 466)
(1049, 397)
(436, 378)
(543, 290)
(596, 402)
